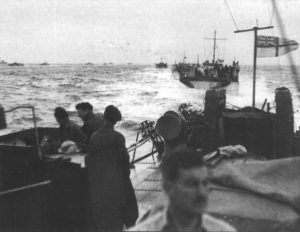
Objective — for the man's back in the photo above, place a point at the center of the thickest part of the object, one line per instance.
(71, 131)
(91, 124)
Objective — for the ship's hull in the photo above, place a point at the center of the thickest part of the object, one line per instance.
(209, 75)
(204, 84)
(161, 65)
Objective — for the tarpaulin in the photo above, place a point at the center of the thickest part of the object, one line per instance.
(274, 179)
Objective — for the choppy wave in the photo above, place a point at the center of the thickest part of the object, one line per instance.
(74, 97)
(129, 125)
(140, 91)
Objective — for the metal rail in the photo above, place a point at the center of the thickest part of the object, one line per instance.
(34, 124)
(148, 133)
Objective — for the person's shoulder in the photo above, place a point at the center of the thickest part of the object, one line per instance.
(73, 124)
(96, 118)
(211, 223)
(99, 115)
(152, 223)
(96, 134)
(118, 135)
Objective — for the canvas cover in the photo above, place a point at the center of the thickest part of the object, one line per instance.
(276, 179)
(258, 195)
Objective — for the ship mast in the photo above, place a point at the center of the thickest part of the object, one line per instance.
(215, 43)
(214, 46)
(254, 29)
(184, 57)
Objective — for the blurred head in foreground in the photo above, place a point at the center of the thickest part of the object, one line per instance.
(185, 181)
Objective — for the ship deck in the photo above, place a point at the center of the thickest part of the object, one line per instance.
(145, 177)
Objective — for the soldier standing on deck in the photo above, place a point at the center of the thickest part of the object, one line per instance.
(111, 192)
(91, 122)
(68, 130)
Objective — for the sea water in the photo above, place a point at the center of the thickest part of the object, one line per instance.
(141, 92)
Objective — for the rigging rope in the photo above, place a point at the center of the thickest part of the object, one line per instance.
(221, 54)
(234, 106)
(278, 60)
(224, 50)
(273, 13)
(218, 53)
(289, 56)
(231, 15)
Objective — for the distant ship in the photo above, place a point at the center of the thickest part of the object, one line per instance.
(15, 64)
(105, 64)
(89, 63)
(214, 72)
(3, 62)
(44, 64)
(161, 64)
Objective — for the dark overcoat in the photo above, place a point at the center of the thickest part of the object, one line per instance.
(108, 169)
(91, 124)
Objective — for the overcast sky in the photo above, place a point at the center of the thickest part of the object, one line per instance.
(138, 31)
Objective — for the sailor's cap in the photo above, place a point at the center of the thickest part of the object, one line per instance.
(68, 147)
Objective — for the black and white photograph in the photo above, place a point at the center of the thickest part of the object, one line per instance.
(149, 115)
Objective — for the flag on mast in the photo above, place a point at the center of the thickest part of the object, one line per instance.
(270, 46)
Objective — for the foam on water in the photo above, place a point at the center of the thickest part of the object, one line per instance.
(141, 92)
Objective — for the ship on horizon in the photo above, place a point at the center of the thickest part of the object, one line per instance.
(215, 71)
(15, 64)
(3, 62)
(161, 64)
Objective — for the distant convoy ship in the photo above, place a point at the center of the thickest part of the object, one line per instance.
(161, 64)
(3, 62)
(15, 64)
(215, 72)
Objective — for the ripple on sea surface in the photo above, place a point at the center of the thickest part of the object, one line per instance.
(74, 97)
(141, 92)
